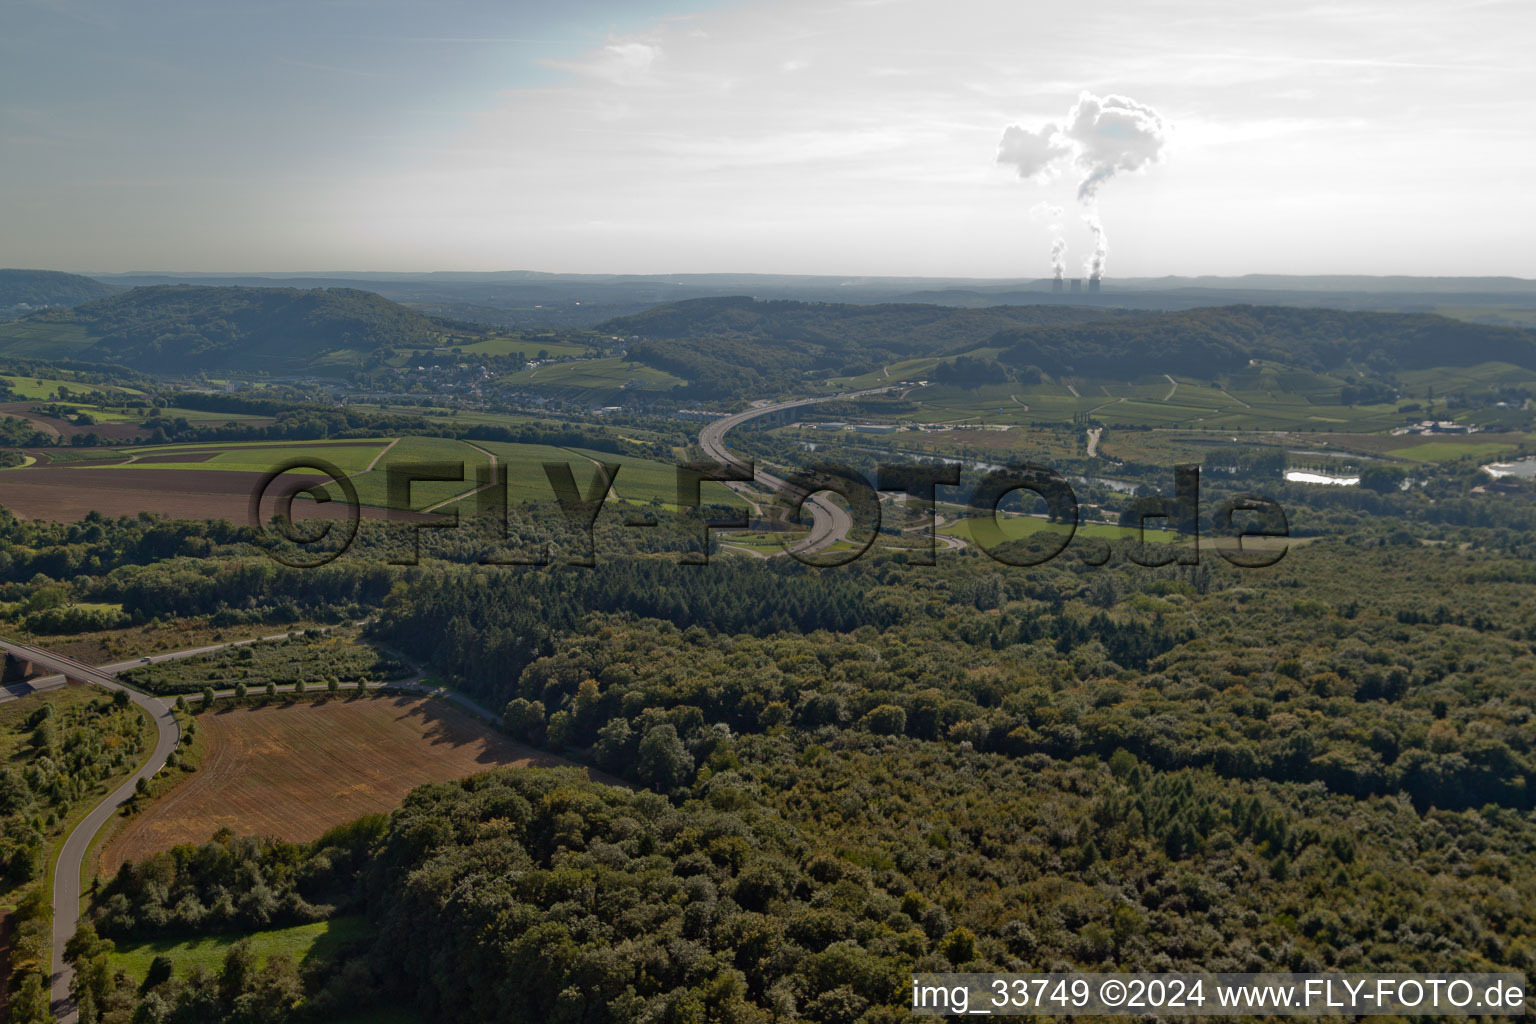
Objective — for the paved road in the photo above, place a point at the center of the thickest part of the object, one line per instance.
(66, 876)
(830, 522)
(66, 879)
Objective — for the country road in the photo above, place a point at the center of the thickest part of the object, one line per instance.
(830, 522)
(66, 875)
(68, 868)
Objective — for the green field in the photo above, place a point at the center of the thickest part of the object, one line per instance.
(42, 387)
(1019, 527)
(1260, 396)
(609, 376)
(117, 415)
(1147, 403)
(305, 943)
(373, 486)
(1482, 377)
(256, 457)
(525, 348)
(43, 340)
(638, 480)
(1445, 451)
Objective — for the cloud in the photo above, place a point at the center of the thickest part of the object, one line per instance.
(1112, 134)
(622, 62)
(1033, 154)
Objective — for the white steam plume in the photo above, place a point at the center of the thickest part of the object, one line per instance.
(1033, 154)
(1102, 136)
(1051, 213)
(1094, 265)
(1109, 135)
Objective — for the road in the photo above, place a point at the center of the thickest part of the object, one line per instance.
(830, 522)
(67, 870)
(66, 875)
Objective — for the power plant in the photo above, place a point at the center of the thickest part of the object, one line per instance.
(1056, 285)
(1093, 284)
(1077, 285)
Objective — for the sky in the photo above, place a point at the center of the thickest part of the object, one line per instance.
(847, 137)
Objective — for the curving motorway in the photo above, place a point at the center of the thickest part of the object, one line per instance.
(830, 522)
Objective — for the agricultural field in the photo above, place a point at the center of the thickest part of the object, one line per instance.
(351, 456)
(1262, 396)
(638, 481)
(44, 388)
(294, 769)
(194, 481)
(110, 414)
(1021, 527)
(609, 375)
(522, 348)
(67, 493)
(1153, 402)
(1172, 446)
(373, 485)
(1473, 447)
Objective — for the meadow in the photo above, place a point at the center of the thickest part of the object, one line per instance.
(43, 388)
(610, 375)
(305, 943)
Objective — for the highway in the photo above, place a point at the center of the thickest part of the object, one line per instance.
(830, 522)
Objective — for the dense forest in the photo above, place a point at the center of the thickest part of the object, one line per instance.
(178, 328)
(733, 347)
(34, 289)
(842, 775)
(736, 347)
(1204, 342)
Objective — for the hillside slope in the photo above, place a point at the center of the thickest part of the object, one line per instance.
(737, 346)
(22, 291)
(186, 327)
(1209, 341)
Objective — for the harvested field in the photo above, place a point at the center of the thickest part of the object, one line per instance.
(62, 493)
(64, 428)
(292, 771)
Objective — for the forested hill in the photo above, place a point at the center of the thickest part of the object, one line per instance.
(38, 288)
(737, 346)
(910, 329)
(1222, 339)
(181, 327)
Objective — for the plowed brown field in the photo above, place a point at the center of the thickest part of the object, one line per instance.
(294, 771)
(66, 493)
